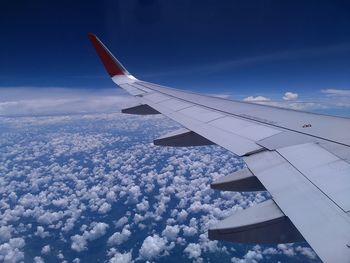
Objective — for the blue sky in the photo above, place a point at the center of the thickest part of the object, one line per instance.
(244, 48)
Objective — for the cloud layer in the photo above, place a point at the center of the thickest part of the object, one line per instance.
(29, 101)
(93, 186)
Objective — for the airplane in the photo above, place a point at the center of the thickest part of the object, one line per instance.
(302, 159)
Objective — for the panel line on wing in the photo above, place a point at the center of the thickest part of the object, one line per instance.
(132, 90)
(201, 113)
(156, 97)
(175, 104)
(317, 165)
(138, 86)
(244, 128)
(232, 142)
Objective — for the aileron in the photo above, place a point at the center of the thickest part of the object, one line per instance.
(325, 170)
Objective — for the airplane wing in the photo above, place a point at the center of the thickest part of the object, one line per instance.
(302, 159)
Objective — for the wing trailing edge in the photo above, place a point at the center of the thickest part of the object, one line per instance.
(142, 109)
(240, 181)
(261, 223)
(182, 138)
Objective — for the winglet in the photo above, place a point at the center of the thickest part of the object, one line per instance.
(112, 65)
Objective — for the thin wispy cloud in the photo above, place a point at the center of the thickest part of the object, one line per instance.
(253, 60)
(31, 101)
(220, 95)
(296, 105)
(336, 92)
(256, 99)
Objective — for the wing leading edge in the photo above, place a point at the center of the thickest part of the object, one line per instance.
(301, 158)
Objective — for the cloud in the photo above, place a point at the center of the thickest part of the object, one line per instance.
(336, 102)
(290, 96)
(286, 249)
(189, 231)
(193, 250)
(50, 217)
(46, 250)
(257, 253)
(40, 231)
(171, 232)
(85, 161)
(143, 206)
(11, 252)
(118, 257)
(290, 103)
(252, 60)
(79, 242)
(31, 101)
(38, 260)
(119, 238)
(287, 97)
(121, 222)
(153, 247)
(252, 256)
(60, 255)
(306, 251)
(256, 98)
(336, 92)
(121, 258)
(134, 194)
(5, 233)
(104, 208)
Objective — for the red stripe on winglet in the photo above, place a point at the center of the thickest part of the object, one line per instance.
(111, 64)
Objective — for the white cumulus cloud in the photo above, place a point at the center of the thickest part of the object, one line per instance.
(153, 247)
(46, 250)
(121, 258)
(5, 233)
(193, 250)
(119, 237)
(118, 257)
(79, 242)
(256, 98)
(171, 232)
(11, 252)
(290, 96)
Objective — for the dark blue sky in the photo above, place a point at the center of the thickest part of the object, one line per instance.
(245, 47)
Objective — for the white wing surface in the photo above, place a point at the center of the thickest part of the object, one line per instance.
(302, 159)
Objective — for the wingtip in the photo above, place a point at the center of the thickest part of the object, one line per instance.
(91, 36)
(112, 65)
